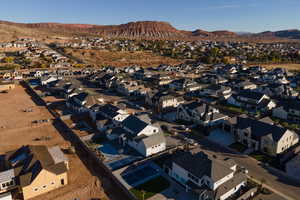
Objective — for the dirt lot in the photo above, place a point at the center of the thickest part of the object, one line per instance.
(287, 66)
(17, 130)
(17, 127)
(104, 57)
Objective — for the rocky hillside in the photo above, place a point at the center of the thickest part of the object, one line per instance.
(135, 30)
(141, 29)
(291, 34)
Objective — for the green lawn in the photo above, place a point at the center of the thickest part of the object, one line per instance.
(272, 161)
(233, 108)
(150, 188)
(238, 147)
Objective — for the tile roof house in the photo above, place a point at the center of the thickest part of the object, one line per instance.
(207, 176)
(35, 170)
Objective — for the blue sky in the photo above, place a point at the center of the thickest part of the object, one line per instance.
(234, 15)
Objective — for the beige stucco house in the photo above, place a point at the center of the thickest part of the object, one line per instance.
(35, 170)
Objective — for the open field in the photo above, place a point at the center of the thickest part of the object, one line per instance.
(121, 58)
(11, 49)
(17, 127)
(17, 130)
(287, 66)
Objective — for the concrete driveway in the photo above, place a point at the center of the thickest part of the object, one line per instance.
(221, 137)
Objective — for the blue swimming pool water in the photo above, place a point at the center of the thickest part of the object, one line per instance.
(108, 149)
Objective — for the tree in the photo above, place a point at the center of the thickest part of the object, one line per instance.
(8, 59)
(143, 194)
(214, 52)
(78, 65)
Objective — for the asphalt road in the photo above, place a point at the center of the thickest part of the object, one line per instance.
(282, 185)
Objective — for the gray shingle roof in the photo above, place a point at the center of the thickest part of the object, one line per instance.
(260, 128)
(134, 124)
(152, 140)
(210, 166)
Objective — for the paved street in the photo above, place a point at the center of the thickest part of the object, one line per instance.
(285, 187)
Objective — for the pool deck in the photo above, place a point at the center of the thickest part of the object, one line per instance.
(117, 156)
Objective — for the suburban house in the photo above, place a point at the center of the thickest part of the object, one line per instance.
(161, 79)
(200, 113)
(6, 86)
(138, 134)
(207, 176)
(108, 111)
(264, 136)
(34, 170)
(278, 90)
(162, 100)
(130, 88)
(249, 99)
(107, 116)
(48, 79)
(217, 91)
(288, 110)
(184, 84)
(245, 85)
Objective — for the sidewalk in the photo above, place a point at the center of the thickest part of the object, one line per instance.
(272, 189)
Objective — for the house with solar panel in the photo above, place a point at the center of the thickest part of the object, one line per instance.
(33, 170)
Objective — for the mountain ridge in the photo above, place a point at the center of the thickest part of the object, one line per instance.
(148, 30)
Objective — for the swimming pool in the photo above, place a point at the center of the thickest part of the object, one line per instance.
(140, 176)
(108, 149)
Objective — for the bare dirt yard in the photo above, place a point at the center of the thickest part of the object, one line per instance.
(17, 129)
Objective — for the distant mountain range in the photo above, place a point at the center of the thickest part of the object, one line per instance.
(138, 30)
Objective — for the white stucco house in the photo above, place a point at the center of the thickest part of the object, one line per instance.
(208, 176)
(138, 134)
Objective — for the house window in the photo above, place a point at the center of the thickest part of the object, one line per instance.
(52, 183)
(3, 185)
(44, 186)
(36, 189)
(62, 181)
